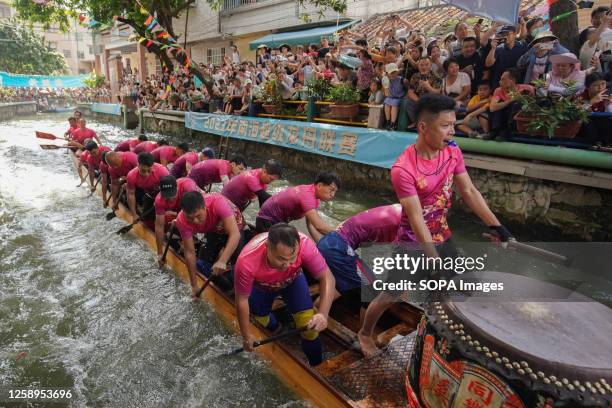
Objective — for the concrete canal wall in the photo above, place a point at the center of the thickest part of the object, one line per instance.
(569, 202)
(9, 110)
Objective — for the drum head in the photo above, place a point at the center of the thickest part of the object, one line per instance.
(565, 338)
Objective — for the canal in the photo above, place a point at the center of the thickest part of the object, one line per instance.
(84, 309)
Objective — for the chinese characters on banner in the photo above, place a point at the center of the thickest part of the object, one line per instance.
(366, 146)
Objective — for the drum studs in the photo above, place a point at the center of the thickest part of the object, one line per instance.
(445, 321)
(498, 360)
(602, 380)
(460, 326)
(553, 378)
(517, 365)
(485, 349)
(479, 349)
(581, 388)
(565, 381)
(509, 366)
(468, 337)
(505, 360)
(541, 374)
(533, 376)
(588, 384)
(524, 364)
(462, 338)
(558, 384)
(601, 391)
(457, 332)
(471, 343)
(489, 355)
(570, 387)
(476, 343)
(546, 381)
(528, 370)
(521, 371)
(576, 383)
(495, 353)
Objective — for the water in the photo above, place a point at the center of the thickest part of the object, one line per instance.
(85, 309)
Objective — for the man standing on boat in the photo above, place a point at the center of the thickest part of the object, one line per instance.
(271, 265)
(94, 159)
(243, 188)
(182, 166)
(167, 206)
(215, 216)
(142, 186)
(422, 177)
(297, 202)
(217, 171)
(116, 165)
(168, 154)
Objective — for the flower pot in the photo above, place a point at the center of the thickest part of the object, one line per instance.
(271, 109)
(344, 111)
(567, 130)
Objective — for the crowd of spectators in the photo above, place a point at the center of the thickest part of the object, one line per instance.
(483, 68)
(48, 98)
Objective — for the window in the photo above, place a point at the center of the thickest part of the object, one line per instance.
(80, 54)
(214, 55)
(78, 36)
(5, 12)
(67, 53)
(90, 49)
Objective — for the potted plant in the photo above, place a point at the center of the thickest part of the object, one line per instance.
(272, 96)
(318, 88)
(549, 114)
(345, 100)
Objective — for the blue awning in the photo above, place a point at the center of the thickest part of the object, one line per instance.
(303, 37)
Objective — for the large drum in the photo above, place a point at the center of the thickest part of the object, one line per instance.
(532, 354)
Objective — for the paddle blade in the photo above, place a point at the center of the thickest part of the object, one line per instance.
(110, 216)
(43, 135)
(124, 230)
(49, 147)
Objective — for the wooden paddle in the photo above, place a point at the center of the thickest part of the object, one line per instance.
(95, 186)
(127, 228)
(204, 286)
(48, 136)
(53, 147)
(112, 214)
(170, 234)
(270, 339)
(530, 249)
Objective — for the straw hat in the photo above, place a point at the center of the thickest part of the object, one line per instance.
(543, 36)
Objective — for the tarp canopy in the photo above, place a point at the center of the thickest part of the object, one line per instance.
(41, 81)
(505, 11)
(303, 37)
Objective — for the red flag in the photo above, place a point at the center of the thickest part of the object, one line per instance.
(148, 20)
(551, 2)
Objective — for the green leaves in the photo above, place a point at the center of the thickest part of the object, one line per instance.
(344, 95)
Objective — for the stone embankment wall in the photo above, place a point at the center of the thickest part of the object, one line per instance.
(9, 110)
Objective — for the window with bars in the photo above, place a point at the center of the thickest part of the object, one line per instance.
(80, 54)
(215, 55)
(67, 53)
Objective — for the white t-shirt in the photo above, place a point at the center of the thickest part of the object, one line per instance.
(462, 80)
(587, 52)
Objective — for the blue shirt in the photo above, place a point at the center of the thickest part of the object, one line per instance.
(506, 58)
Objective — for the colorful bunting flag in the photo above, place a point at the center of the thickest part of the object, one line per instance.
(148, 20)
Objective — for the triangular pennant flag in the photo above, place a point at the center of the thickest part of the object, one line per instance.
(148, 20)
(143, 11)
(157, 28)
(142, 39)
(149, 43)
(152, 24)
(163, 47)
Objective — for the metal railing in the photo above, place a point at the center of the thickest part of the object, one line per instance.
(233, 4)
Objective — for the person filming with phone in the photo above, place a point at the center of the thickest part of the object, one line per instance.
(505, 52)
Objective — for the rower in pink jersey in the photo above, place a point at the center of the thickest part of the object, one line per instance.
(116, 166)
(271, 265)
(148, 146)
(79, 135)
(94, 159)
(129, 144)
(168, 154)
(252, 183)
(221, 222)
(183, 165)
(297, 202)
(142, 185)
(216, 171)
(72, 122)
(422, 177)
(167, 206)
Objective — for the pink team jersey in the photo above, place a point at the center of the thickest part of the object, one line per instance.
(183, 185)
(167, 153)
(70, 130)
(179, 169)
(94, 161)
(217, 208)
(252, 266)
(79, 135)
(126, 145)
(290, 204)
(146, 146)
(130, 160)
(378, 224)
(151, 183)
(210, 171)
(432, 181)
(84, 157)
(242, 188)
